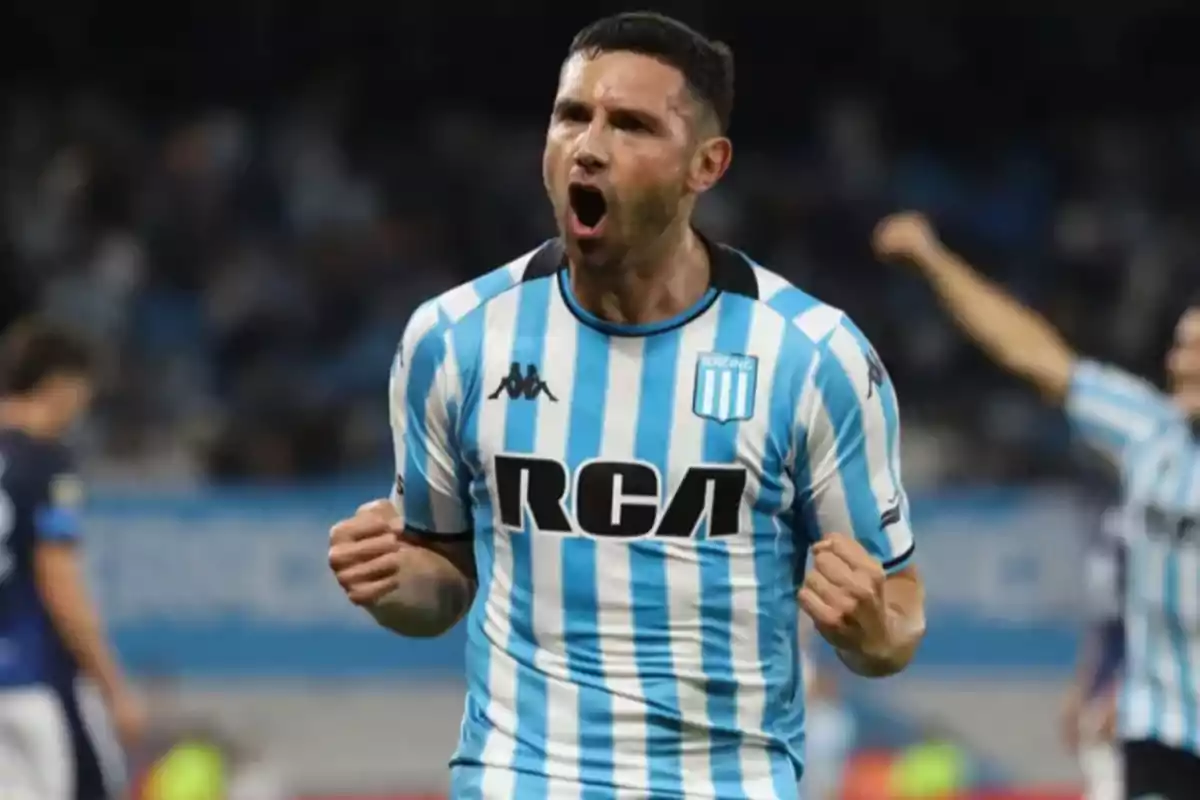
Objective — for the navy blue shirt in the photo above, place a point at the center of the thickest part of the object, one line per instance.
(1105, 566)
(40, 496)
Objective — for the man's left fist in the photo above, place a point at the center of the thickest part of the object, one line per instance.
(843, 593)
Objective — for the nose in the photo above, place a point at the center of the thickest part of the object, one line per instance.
(589, 161)
(591, 154)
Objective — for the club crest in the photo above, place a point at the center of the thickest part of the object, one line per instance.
(725, 388)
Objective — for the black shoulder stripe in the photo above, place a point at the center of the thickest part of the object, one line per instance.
(731, 271)
(548, 259)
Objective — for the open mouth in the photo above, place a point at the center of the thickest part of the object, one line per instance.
(588, 205)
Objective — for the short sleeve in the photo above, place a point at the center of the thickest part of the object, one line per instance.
(57, 515)
(424, 399)
(1111, 410)
(847, 444)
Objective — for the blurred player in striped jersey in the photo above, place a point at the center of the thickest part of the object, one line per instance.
(623, 445)
(1151, 439)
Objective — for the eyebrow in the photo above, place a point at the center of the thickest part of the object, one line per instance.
(650, 120)
(566, 104)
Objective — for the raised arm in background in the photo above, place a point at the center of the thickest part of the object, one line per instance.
(1014, 336)
(1109, 408)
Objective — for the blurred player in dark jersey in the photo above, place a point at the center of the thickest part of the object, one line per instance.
(1090, 710)
(55, 665)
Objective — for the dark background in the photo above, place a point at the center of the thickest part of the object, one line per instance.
(243, 203)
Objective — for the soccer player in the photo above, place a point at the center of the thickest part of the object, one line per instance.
(622, 446)
(52, 744)
(1089, 711)
(1151, 439)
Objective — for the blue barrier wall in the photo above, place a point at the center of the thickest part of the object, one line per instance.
(233, 583)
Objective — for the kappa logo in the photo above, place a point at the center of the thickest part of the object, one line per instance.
(725, 388)
(527, 386)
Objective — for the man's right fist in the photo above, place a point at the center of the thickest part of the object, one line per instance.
(908, 235)
(364, 552)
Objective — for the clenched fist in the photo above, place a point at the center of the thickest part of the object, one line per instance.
(904, 236)
(364, 552)
(843, 593)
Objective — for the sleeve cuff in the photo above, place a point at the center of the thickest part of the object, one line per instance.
(432, 536)
(57, 525)
(894, 565)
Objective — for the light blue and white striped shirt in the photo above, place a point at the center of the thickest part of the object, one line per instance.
(641, 501)
(1151, 442)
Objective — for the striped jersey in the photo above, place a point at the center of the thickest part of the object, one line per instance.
(1151, 442)
(641, 501)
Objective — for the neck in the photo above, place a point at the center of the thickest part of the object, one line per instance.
(654, 285)
(27, 416)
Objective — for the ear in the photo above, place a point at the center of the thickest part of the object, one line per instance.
(709, 163)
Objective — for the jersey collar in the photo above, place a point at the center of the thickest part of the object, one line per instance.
(731, 271)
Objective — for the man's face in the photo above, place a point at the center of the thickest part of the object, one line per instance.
(622, 154)
(1183, 363)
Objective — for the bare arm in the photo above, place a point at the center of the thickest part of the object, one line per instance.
(60, 582)
(410, 585)
(1013, 335)
(904, 605)
(436, 585)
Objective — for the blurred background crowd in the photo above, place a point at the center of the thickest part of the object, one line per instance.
(242, 204)
(244, 207)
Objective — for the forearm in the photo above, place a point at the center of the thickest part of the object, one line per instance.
(78, 625)
(1013, 335)
(893, 656)
(432, 596)
(904, 596)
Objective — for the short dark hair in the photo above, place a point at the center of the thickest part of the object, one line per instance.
(707, 65)
(33, 350)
